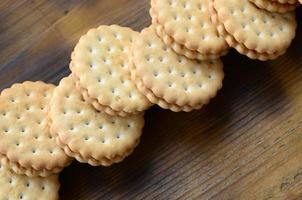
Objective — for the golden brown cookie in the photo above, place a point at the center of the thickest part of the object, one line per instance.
(186, 27)
(252, 31)
(14, 186)
(25, 140)
(170, 80)
(89, 135)
(100, 64)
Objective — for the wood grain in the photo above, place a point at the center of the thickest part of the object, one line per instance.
(246, 144)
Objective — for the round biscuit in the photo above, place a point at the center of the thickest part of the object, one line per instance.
(238, 46)
(181, 49)
(89, 135)
(25, 138)
(100, 63)
(156, 100)
(254, 28)
(188, 23)
(173, 78)
(14, 186)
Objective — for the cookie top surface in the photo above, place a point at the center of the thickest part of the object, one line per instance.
(188, 22)
(24, 131)
(100, 62)
(255, 28)
(15, 186)
(172, 77)
(87, 131)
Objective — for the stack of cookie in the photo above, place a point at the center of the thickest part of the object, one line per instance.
(260, 29)
(28, 151)
(96, 114)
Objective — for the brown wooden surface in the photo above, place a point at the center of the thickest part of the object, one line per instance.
(246, 144)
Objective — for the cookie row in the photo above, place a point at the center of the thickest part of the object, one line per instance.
(96, 115)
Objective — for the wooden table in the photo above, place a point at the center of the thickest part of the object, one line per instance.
(246, 144)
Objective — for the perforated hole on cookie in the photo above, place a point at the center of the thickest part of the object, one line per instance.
(27, 184)
(253, 18)
(6, 129)
(243, 25)
(188, 30)
(185, 5)
(92, 65)
(232, 11)
(27, 107)
(86, 138)
(28, 93)
(130, 95)
(122, 81)
(36, 136)
(116, 36)
(161, 59)
(181, 60)
(71, 128)
(155, 73)
(118, 136)
(148, 58)
(50, 151)
(90, 49)
(45, 94)
(34, 151)
(4, 113)
(99, 80)
(43, 187)
(17, 144)
(21, 196)
(100, 38)
(199, 85)
(186, 88)
(190, 17)
(109, 49)
(210, 76)
(50, 137)
(106, 61)
(200, 7)
(12, 99)
(22, 129)
(123, 64)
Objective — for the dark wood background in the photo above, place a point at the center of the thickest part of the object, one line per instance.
(246, 144)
